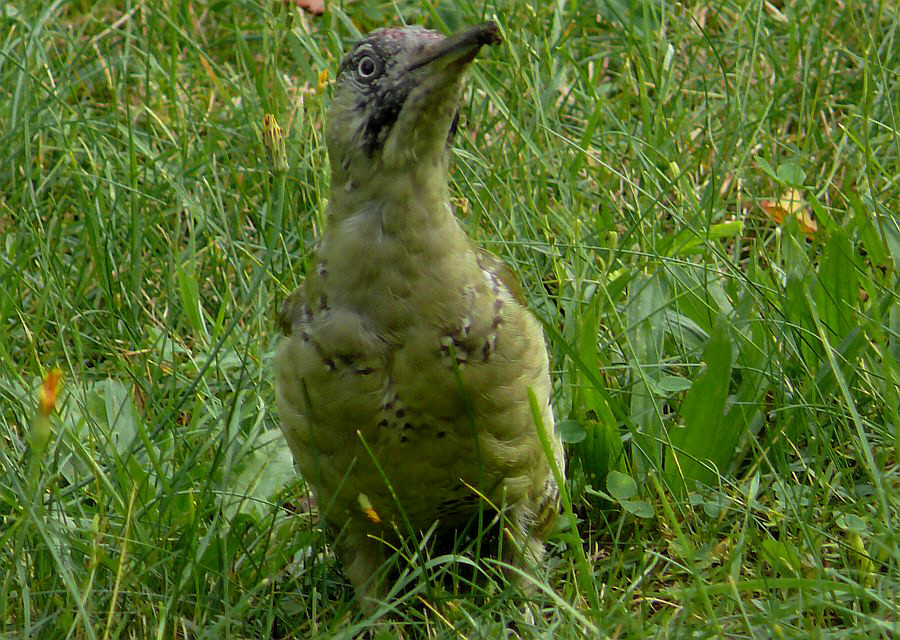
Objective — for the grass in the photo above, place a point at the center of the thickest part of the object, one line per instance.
(726, 376)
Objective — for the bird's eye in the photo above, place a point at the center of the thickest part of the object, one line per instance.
(366, 68)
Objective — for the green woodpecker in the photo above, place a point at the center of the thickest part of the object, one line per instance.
(403, 376)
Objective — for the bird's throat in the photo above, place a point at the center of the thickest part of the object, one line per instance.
(389, 241)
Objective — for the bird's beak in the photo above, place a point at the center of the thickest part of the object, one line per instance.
(429, 109)
(459, 49)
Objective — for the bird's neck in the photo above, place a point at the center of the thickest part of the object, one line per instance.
(390, 238)
(410, 207)
(405, 199)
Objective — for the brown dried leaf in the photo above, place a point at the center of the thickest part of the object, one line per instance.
(790, 204)
(316, 7)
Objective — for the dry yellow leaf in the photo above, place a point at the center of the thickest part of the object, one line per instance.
(790, 204)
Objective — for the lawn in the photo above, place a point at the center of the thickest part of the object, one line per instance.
(701, 200)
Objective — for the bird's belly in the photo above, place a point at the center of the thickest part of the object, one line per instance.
(404, 429)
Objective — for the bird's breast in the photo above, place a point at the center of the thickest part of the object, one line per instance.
(410, 343)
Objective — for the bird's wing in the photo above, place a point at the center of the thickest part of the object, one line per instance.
(292, 311)
(491, 263)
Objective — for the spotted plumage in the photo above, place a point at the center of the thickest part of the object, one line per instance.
(408, 353)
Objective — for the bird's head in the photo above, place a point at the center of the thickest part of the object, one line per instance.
(396, 99)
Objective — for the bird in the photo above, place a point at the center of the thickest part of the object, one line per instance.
(408, 353)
